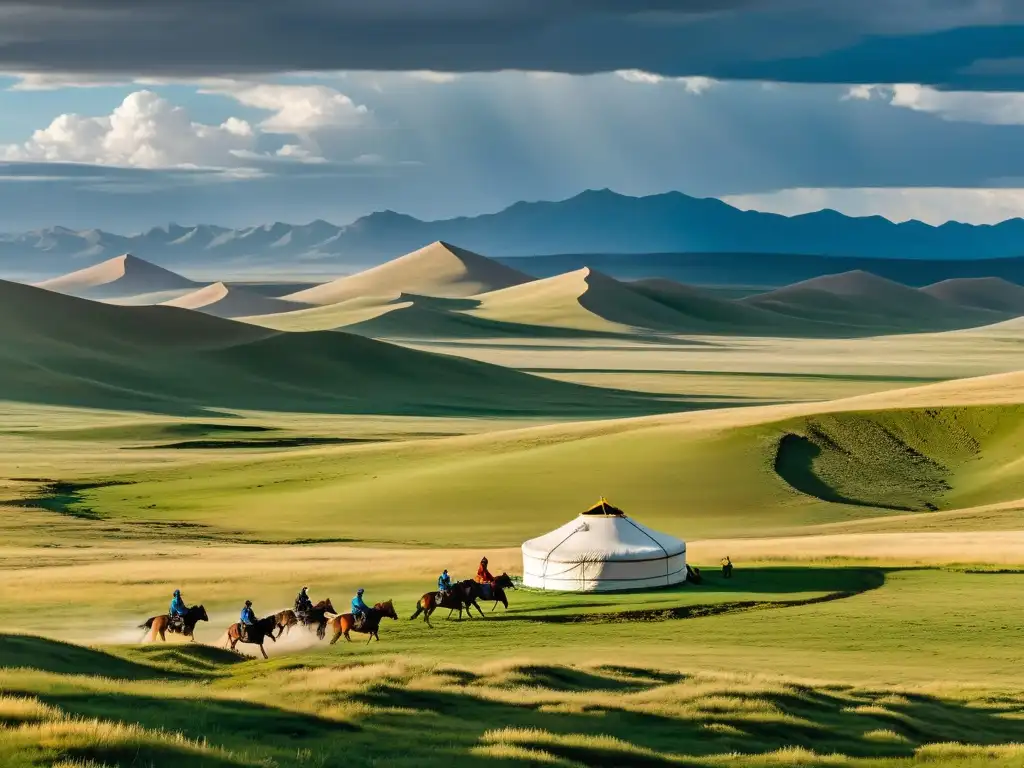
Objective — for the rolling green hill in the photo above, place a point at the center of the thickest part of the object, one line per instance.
(753, 471)
(991, 293)
(859, 301)
(62, 350)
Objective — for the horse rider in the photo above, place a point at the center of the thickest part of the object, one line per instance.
(484, 578)
(178, 610)
(248, 619)
(360, 610)
(727, 567)
(444, 583)
(303, 605)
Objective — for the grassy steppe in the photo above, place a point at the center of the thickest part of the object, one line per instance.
(689, 475)
(874, 619)
(521, 692)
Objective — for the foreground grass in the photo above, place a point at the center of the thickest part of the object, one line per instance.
(209, 710)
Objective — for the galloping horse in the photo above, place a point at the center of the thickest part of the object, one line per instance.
(255, 635)
(161, 625)
(345, 623)
(469, 592)
(453, 600)
(497, 591)
(473, 590)
(284, 621)
(317, 615)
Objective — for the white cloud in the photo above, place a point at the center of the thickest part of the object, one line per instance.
(431, 76)
(962, 106)
(144, 131)
(860, 93)
(955, 106)
(297, 109)
(54, 81)
(639, 76)
(696, 85)
(934, 205)
(299, 153)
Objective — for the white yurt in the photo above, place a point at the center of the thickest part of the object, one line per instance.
(603, 550)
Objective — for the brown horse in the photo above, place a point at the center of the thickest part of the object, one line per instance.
(345, 623)
(255, 635)
(316, 616)
(458, 599)
(161, 625)
(284, 621)
(498, 587)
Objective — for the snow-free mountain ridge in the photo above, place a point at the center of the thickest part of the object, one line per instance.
(593, 222)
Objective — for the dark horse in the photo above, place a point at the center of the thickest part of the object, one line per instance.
(495, 591)
(316, 616)
(254, 635)
(345, 623)
(458, 598)
(161, 625)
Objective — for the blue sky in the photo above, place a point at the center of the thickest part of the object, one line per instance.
(127, 116)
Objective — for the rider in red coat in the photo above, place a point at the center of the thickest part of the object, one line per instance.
(483, 576)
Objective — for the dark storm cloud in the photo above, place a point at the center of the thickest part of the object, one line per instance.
(954, 43)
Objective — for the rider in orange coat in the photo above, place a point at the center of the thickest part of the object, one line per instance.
(483, 576)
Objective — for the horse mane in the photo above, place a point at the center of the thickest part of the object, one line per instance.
(378, 606)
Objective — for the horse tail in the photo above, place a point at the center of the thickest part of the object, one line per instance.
(148, 624)
(419, 610)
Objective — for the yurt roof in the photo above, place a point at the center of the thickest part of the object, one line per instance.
(601, 536)
(604, 508)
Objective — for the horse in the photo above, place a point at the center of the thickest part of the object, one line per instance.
(255, 635)
(162, 624)
(285, 620)
(452, 600)
(469, 592)
(495, 591)
(345, 623)
(501, 583)
(317, 615)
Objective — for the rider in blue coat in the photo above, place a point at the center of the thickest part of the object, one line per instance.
(444, 582)
(178, 607)
(178, 611)
(360, 610)
(248, 618)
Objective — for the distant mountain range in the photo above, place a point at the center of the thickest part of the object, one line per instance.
(593, 222)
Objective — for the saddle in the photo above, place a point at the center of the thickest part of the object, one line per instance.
(487, 591)
(176, 624)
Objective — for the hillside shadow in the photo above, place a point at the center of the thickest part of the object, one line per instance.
(795, 457)
(782, 580)
(154, 754)
(567, 679)
(192, 657)
(221, 722)
(750, 723)
(38, 653)
(789, 587)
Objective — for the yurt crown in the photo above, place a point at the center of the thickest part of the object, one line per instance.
(604, 508)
